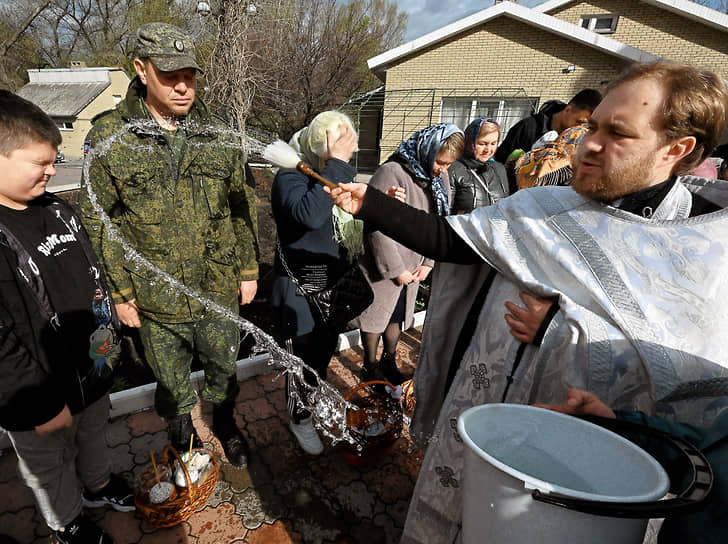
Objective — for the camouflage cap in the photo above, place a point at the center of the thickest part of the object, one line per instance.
(167, 46)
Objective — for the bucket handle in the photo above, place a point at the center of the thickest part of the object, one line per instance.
(697, 490)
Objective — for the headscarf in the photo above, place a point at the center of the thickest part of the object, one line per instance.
(420, 152)
(471, 136)
(310, 142)
(551, 164)
(311, 145)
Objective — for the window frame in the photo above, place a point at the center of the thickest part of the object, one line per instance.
(592, 20)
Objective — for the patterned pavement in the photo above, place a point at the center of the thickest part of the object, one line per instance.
(283, 496)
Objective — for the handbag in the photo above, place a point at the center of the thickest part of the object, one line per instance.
(338, 304)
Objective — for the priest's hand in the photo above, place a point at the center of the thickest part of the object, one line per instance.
(348, 196)
(525, 322)
(581, 403)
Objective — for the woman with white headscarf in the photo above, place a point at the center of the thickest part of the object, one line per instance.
(314, 245)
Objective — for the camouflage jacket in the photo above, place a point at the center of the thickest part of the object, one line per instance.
(195, 219)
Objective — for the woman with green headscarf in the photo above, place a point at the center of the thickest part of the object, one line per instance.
(315, 247)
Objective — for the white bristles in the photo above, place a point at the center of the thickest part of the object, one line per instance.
(280, 154)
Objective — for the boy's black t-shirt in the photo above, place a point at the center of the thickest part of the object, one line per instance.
(69, 279)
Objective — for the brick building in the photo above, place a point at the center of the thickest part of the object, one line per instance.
(506, 60)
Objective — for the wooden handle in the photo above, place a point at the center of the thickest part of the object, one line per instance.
(306, 169)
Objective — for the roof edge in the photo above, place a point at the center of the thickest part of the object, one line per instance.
(520, 13)
(690, 10)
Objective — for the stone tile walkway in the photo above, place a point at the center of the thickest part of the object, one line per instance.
(283, 496)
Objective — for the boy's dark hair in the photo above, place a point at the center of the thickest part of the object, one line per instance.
(22, 123)
(587, 99)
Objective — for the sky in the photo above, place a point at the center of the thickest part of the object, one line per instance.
(428, 15)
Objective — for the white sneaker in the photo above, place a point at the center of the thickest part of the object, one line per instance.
(307, 436)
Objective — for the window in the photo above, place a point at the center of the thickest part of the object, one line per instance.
(601, 24)
(505, 111)
(64, 125)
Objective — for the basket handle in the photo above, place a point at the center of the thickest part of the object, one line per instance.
(366, 384)
(169, 449)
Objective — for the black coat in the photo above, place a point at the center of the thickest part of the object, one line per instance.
(475, 184)
(302, 212)
(36, 380)
(525, 133)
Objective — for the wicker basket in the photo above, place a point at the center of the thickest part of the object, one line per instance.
(188, 499)
(375, 426)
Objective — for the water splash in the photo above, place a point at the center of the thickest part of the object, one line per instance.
(325, 403)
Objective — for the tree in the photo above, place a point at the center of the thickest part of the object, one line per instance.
(296, 58)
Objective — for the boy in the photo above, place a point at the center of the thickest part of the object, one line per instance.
(57, 335)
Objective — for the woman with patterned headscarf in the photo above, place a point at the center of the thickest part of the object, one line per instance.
(476, 179)
(315, 245)
(418, 168)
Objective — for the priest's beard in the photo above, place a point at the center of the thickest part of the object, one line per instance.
(626, 178)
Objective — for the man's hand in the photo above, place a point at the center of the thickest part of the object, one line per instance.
(343, 148)
(422, 272)
(63, 419)
(348, 196)
(525, 322)
(397, 192)
(247, 291)
(129, 314)
(405, 278)
(581, 403)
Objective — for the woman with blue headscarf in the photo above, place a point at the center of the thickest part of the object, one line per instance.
(476, 179)
(418, 169)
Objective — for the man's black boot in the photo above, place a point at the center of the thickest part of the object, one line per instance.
(227, 432)
(388, 367)
(179, 429)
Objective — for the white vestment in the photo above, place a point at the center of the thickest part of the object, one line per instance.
(642, 322)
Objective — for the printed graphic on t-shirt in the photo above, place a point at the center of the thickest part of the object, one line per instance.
(55, 244)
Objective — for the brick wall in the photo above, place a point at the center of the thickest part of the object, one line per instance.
(501, 54)
(658, 31)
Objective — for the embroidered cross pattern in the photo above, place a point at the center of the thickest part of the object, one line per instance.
(454, 427)
(447, 478)
(479, 376)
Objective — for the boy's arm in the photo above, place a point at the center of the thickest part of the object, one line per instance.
(109, 252)
(29, 397)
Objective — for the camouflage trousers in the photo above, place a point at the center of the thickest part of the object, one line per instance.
(170, 348)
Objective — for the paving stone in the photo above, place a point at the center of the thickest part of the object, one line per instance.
(356, 498)
(20, 524)
(117, 432)
(16, 495)
(389, 483)
(279, 532)
(122, 526)
(268, 432)
(180, 534)
(256, 409)
(217, 525)
(8, 465)
(250, 389)
(249, 506)
(146, 422)
(267, 382)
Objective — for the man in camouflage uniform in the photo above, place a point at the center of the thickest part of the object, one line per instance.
(173, 183)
